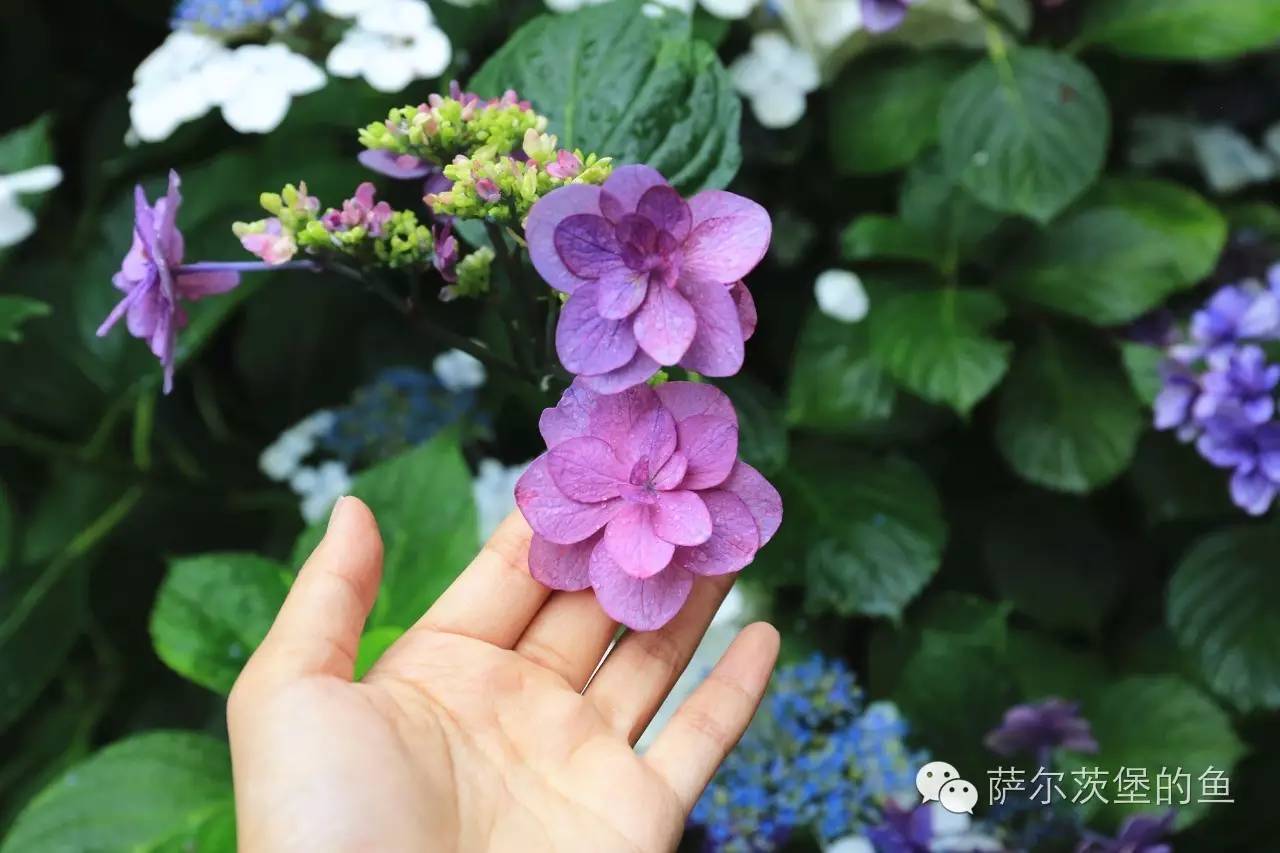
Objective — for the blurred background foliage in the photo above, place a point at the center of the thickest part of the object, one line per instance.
(977, 511)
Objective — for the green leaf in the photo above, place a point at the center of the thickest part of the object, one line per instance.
(934, 342)
(884, 108)
(615, 82)
(16, 310)
(1224, 608)
(835, 384)
(1025, 132)
(1123, 251)
(1174, 483)
(1043, 667)
(1157, 722)
(1142, 363)
(1067, 419)
(372, 645)
(150, 791)
(933, 204)
(6, 529)
(26, 147)
(422, 500)
(874, 236)
(212, 611)
(762, 433)
(1182, 29)
(873, 531)
(1054, 561)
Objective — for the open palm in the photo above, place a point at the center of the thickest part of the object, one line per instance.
(478, 729)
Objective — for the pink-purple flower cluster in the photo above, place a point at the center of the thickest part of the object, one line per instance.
(1219, 389)
(641, 488)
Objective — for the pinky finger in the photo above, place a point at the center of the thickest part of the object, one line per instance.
(707, 726)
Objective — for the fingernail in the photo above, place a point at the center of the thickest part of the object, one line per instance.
(333, 513)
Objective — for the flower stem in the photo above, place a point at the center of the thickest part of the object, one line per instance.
(248, 266)
(523, 323)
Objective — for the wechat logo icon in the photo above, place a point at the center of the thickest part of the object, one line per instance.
(941, 782)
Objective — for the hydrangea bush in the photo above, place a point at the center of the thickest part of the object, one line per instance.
(949, 326)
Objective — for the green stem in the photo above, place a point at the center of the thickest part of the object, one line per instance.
(522, 323)
(144, 420)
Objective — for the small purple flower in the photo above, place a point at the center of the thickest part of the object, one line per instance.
(1042, 727)
(880, 16)
(1142, 833)
(273, 245)
(1239, 377)
(402, 167)
(640, 491)
(360, 211)
(154, 280)
(1233, 313)
(488, 190)
(1177, 397)
(446, 250)
(567, 165)
(1231, 440)
(651, 277)
(903, 830)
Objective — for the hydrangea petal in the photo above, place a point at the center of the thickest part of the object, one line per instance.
(711, 446)
(540, 229)
(681, 518)
(730, 235)
(686, 399)
(588, 343)
(746, 305)
(642, 604)
(197, 285)
(635, 372)
(665, 325)
(586, 469)
(633, 544)
(760, 497)
(614, 416)
(587, 245)
(673, 471)
(621, 292)
(734, 539)
(717, 345)
(652, 440)
(563, 567)
(664, 207)
(628, 183)
(553, 515)
(569, 418)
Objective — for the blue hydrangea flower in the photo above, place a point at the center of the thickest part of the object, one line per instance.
(233, 16)
(815, 761)
(401, 408)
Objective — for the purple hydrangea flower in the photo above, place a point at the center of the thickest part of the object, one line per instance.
(445, 257)
(1042, 727)
(567, 165)
(402, 167)
(154, 280)
(1239, 377)
(1177, 397)
(880, 16)
(1233, 313)
(1138, 834)
(360, 211)
(652, 279)
(1230, 440)
(640, 491)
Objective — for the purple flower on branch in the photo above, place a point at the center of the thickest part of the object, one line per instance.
(652, 279)
(1142, 833)
(1041, 727)
(880, 16)
(640, 491)
(360, 211)
(402, 167)
(1232, 313)
(1239, 377)
(1231, 440)
(155, 282)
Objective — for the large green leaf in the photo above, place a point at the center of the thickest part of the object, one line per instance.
(1182, 29)
(422, 500)
(26, 147)
(1067, 419)
(151, 791)
(835, 383)
(618, 83)
(1026, 131)
(884, 108)
(874, 236)
(1122, 252)
(1157, 722)
(935, 342)
(1224, 608)
(16, 310)
(762, 432)
(872, 531)
(933, 204)
(212, 611)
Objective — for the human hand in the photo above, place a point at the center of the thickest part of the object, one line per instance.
(477, 729)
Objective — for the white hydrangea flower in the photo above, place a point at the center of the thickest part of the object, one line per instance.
(168, 87)
(392, 43)
(840, 295)
(821, 26)
(850, 844)
(458, 371)
(282, 459)
(16, 222)
(730, 9)
(775, 76)
(731, 618)
(345, 8)
(494, 490)
(571, 5)
(320, 487)
(255, 84)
